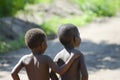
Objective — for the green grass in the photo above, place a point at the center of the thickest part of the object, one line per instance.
(40, 1)
(99, 7)
(11, 45)
(51, 26)
(4, 47)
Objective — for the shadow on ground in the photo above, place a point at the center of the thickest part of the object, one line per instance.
(101, 56)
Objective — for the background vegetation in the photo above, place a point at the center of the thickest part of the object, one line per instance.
(91, 9)
(99, 7)
(10, 7)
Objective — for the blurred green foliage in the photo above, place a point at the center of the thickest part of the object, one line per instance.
(51, 26)
(40, 1)
(99, 7)
(10, 7)
(90, 8)
(6, 46)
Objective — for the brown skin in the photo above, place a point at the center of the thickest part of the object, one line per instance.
(37, 65)
(78, 70)
(78, 66)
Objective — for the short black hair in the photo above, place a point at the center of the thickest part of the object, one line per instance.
(66, 33)
(34, 37)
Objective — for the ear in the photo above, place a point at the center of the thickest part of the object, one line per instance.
(77, 41)
(42, 44)
(43, 47)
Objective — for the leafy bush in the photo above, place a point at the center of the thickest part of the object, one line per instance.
(40, 1)
(11, 45)
(4, 47)
(99, 7)
(10, 7)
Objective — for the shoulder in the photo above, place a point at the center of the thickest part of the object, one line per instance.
(46, 57)
(75, 51)
(26, 58)
(59, 55)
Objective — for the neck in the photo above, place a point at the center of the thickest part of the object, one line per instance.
(36, 52)
(69, 49)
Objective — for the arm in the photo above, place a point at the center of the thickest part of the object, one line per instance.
(83, 68)
(16, 70)
(61, 70)
(53, 75)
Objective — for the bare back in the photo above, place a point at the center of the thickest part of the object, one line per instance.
(73, 72)
(37, 67)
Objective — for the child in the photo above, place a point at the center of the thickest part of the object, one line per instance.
(36, 64)
(70, 38)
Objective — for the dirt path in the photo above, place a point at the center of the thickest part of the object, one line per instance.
(100, 45)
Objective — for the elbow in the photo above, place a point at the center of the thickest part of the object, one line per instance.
(60, 72)
(13, 74)
(85, 76)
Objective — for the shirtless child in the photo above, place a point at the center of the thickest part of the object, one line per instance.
(37, 64)
(69, 36)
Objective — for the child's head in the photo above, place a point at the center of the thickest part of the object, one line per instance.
(69, 35)
(35, 39)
